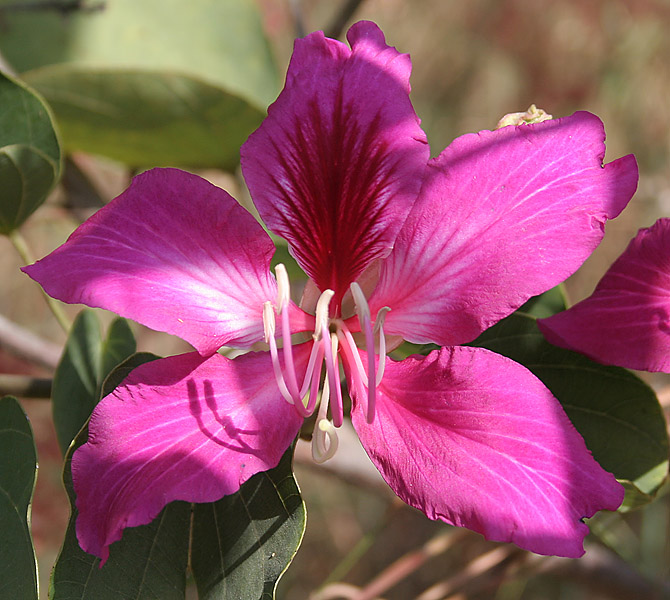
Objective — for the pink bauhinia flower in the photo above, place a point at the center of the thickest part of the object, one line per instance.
(395, 247)
(626, 321)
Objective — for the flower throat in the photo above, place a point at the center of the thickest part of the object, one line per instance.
(331, 336)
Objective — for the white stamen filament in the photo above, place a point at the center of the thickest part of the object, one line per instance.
(283, 299)
(333, 375)
(324, 350)
(269, 328)
(343, 332)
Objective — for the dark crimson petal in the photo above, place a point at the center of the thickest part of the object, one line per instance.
(626, 322)
(337, 164)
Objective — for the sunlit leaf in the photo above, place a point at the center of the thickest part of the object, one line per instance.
(29, 153)
(147, 117)
(243, 544)
(618, 414)
(219, 42)
(18, 470)
(86, 361)
(151, 83)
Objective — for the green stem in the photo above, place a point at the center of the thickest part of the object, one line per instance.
(24, 252)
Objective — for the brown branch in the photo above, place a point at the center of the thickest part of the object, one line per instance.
(476, 573)
(19, 341)
(409, 563)
(24, 386)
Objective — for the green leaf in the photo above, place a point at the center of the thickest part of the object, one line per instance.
(123, 369)
(547, 304)
(149, 562)
(219, 42)
(29, 153)
(147, 117)
(283, 255)
(157, 82)
(243, 543)
(18, 471)
(86, 361)
(117, 347)
(618, 414)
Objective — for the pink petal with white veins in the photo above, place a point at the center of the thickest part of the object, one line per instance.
(474, 439)
(179, 428)
(337, 164)
(175, 253)
(504, 215)
(626, 322)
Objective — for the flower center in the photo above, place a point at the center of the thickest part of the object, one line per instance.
(331, 336)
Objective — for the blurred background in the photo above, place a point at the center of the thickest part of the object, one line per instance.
(108, 69)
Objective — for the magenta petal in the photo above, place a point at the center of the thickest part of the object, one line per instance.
(474, 439)
(179, 428)
(338, 162)
(504, 215)
(172, 252)
(626, 322)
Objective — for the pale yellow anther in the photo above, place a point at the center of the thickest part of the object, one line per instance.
(268, 321)
(379, 330)
(381, 317)
(321, 316)
(283, 287)
(325, 442)
(362, 308)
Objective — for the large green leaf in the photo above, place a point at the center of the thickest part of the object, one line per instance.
(547, 304)
(220, 42)
(157, 82)
(18, 470)
(149, 562)
(618, 415)
(29, 153)
(242, 544)
(86, 361)
(147, 117)
(123, 369)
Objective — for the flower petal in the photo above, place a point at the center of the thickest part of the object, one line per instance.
(172, 252)
(338, 163)
(474, 439)
(179, 428)
(504, 215)
(626, 322)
